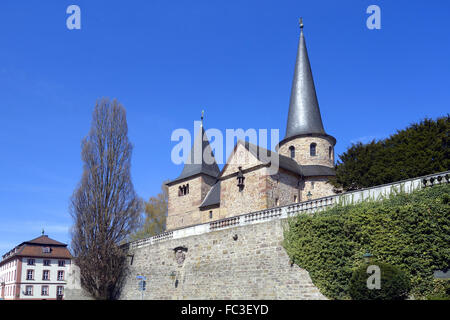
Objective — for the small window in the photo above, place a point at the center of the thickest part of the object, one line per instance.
(46, 250)
(210, 214)
(44, 291)
(183, 190)
(29, 290)
(295, 198)
(312, 184)
(46, 262)
(30, 275)
(312, 149)
(276, 202)
(292, 151)
(330, 151)
(61, 263)
(30, 262)
(46, 275)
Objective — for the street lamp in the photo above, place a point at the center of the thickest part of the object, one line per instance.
(367, 256)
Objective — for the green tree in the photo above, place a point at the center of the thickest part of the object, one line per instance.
(155, 215)
(420, 149)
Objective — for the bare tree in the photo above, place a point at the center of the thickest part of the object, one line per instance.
(104, 207)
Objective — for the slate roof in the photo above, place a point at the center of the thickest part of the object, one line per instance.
(304, 113)
(265, 156)
(191, 168)
(212, 197)
(316, 170)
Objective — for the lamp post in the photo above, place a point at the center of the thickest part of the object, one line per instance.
(367, 256)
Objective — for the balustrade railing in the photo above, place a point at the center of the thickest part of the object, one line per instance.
(311, 206)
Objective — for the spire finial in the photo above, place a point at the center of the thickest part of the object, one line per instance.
(203, 113)
(301, 23)
(42, 231)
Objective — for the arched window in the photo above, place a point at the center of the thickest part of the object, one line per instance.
(292, 151)
(312, 149)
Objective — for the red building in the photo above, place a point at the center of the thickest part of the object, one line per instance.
(35, 270)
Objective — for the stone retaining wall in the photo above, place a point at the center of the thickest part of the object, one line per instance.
(246, 262)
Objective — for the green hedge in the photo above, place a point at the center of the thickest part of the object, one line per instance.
(409, 231)
(394, 283)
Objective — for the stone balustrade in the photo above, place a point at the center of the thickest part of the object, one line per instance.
(369, 194)
(223, 223)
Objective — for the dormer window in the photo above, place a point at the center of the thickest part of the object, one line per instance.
(46, 250)
(240, 179)
(292, 151)
(312, 149)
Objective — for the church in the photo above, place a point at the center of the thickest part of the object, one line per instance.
(203, 193)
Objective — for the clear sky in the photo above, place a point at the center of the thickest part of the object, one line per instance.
(165, 61)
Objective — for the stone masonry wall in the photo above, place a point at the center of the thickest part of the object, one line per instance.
(284, 187)
(215, 266)
(318, 186)
(302, 151)
(184, 210)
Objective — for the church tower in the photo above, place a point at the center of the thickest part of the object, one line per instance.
(306, 140)
(187, 192)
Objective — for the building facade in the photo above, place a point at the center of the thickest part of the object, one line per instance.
(35, 270)
(305, 161)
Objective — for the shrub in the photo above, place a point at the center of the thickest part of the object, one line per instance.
(409, 231)
(394, 284)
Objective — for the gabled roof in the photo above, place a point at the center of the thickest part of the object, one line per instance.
(196, 163)
(265, 156)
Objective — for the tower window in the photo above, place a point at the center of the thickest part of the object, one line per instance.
(329, 152)
(210, 214)
(312, 149)
(277, 202)
(183, 190)
(292, 151)
(295, 198)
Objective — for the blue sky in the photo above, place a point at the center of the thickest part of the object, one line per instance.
(165, 61)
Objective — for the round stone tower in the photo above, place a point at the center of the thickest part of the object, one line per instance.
(306, 140)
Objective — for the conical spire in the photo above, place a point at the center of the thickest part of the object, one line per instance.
(304, 113)
(201, 158)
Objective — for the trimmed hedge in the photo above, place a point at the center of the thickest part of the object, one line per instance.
(409, 231)
(394, 283)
